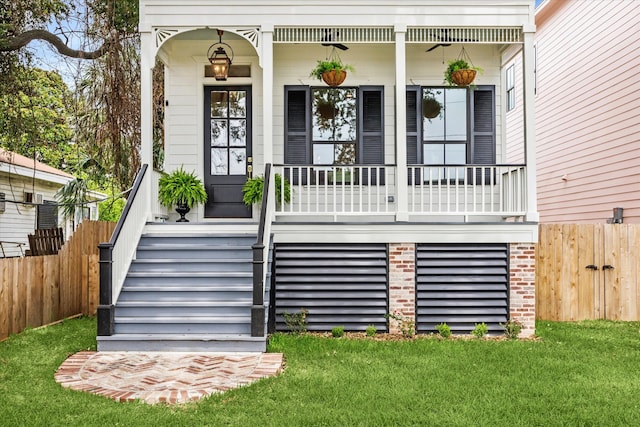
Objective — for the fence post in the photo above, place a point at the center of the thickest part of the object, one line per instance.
(105, 306)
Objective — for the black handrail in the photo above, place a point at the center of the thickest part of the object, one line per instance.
(257, 307)
(105, 306)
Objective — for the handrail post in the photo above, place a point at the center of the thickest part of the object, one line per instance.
(105, 306)
(257, 307)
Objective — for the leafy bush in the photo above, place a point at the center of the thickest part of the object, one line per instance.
(254, 187)
(444, 330)
(371, 330)
(480, 330)
(512, 328)
(337, 331)
(181, 187)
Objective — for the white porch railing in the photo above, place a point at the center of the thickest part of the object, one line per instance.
(338, 190)
(468, 190)
(436, 190)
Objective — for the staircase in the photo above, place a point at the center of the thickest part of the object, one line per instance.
(189, 288)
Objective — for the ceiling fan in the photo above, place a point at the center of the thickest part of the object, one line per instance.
(329, 37)
(446, 39)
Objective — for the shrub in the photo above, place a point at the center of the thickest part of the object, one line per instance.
(512, 328)
(480, 330)
(444, 330)
(371, 330)
(337, 331)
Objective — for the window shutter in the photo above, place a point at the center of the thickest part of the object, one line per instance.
(47, 215)
(371, 150)
(296, 138)
(483, 144)
(413, 130)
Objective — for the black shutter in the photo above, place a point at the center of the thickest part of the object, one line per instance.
(47, 216)
(413, 130)
(296, 138)
(483, 131)
(371, 150)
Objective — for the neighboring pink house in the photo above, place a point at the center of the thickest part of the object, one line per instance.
(587, 110)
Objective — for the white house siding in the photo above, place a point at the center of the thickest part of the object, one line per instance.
(514, 119)
(18, 220)
(588, 120)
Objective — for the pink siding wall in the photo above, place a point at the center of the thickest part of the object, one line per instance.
(588, 110)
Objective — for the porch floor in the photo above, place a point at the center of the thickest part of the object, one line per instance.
(160, 377)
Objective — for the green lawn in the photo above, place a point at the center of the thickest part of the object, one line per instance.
(585, 374)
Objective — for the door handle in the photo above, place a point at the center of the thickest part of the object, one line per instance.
(592, 267)
(250, 171)
(607, 267)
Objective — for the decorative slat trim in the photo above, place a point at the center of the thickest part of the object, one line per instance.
(333, 35)
(467, 35)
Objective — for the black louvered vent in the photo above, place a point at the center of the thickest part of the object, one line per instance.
(339, 285)
(462, 285)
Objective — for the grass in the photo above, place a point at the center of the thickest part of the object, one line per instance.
(578, 374)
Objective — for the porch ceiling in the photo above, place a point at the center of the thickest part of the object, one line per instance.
(469, 35)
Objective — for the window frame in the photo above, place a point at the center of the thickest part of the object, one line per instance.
(510, 85)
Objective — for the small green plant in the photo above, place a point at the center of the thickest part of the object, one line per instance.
(458, 64)
(253, 188)
(480, 330)
(337, 331)
(371, 330)
(296, 322)
(444, 330)
(406, 325)
(512, 328)
(329, 65)
(181, 188)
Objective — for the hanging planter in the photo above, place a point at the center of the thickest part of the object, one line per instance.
(430, 108)
(331, 71)
(461, 72)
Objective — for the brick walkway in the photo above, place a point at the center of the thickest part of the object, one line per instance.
(164, 377)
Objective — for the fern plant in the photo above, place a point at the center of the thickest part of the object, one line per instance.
(254, 187)
(181, 188)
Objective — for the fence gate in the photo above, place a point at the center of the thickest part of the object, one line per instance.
(588, 271)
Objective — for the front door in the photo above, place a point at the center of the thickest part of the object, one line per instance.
(227, 150)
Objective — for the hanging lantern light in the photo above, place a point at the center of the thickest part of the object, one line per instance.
(220, 61)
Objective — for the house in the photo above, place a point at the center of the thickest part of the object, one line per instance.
(391, 211)
(587, 136)
(27, 202)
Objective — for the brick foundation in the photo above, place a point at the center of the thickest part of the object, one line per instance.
(522, 286)
(402, 282)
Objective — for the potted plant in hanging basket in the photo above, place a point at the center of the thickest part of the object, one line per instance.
(332, 71)
(181, 189)
(460, 73)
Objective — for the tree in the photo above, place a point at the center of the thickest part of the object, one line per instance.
(35, 117)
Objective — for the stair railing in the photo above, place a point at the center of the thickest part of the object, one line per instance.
(116, 255)
(261, 254)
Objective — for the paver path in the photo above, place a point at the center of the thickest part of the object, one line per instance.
(158, 377)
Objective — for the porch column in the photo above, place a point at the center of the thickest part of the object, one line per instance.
(402, 201)
(146, 110)
(528, 78)
(266, 60)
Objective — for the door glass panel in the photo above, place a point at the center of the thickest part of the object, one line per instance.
(238, 103)
(237, 161)
(219, 104)
(219, 161)
(219, 133)
(238, 133)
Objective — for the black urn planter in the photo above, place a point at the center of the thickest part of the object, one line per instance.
(182, 209)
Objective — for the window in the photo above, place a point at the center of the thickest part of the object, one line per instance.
(444, 137)
(334, 126)
(510, 84)
(463, 133)
(47, 215)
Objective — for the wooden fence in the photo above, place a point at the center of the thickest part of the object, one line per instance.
(588, 271)
(39, 290)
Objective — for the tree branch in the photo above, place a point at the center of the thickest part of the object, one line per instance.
(21, 40)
